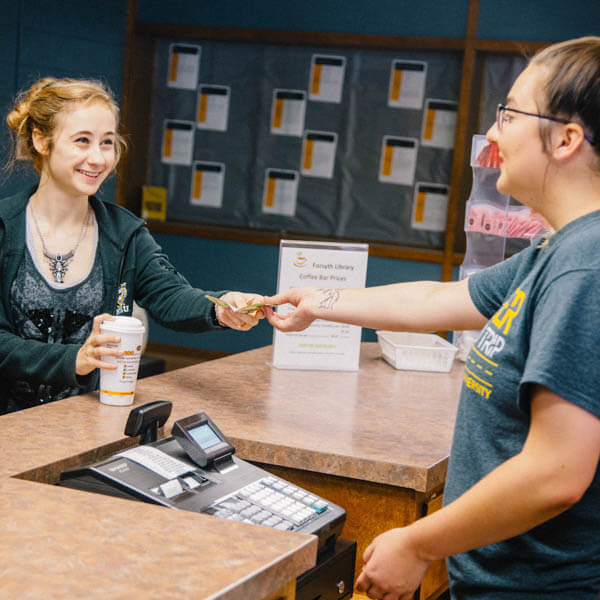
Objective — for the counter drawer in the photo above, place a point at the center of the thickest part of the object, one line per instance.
(333, 576)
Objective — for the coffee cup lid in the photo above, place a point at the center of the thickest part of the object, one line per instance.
(123, 324)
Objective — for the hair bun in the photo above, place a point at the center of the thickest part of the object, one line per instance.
(18, 115)
(21, 111)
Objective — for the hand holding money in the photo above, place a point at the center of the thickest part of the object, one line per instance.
(238, 310)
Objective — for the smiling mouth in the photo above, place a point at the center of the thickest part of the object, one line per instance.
(90, 174)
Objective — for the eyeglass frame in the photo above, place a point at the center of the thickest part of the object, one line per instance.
(502, 108)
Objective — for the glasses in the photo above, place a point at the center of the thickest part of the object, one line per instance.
(501, 118)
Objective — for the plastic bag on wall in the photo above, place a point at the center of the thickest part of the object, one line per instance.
(485, 225)
(490, 219)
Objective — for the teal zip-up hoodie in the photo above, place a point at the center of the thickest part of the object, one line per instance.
(134, 268)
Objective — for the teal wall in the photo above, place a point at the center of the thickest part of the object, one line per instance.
(538, 20)
(66, 38)
(71, 38)
(533, 20)
(378, 17)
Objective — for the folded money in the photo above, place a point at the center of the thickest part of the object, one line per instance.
(249, 309)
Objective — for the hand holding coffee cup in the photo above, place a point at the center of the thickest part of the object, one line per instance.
(97, 346)
(119, 376)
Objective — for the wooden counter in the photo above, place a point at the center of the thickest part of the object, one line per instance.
(377, 424)
(58, 543)
(375, 441)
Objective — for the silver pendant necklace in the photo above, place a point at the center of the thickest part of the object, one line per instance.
(59, 263)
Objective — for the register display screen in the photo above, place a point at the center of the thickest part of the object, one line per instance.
(202, 440)
(204, 436)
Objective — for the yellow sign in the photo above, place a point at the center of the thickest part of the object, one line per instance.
(154, 202)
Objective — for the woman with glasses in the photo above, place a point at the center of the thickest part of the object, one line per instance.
(521, 516)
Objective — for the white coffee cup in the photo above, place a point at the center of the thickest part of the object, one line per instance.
(117, 386)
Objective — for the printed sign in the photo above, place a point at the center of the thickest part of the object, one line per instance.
(154, 202)
(207, 184)
(398, 160)
(213, 107)
(439, 123)
(326, 78)
(430, 206)
(280, 191)
(287, 112)
(178, 142)
(331, 266)
(407, 84)
(184, 63)
(318, 154)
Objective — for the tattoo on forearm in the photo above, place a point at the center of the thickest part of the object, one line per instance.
(330, 298)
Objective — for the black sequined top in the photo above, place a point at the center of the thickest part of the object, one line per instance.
(54, 315)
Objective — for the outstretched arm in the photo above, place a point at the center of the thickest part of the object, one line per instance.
(413, 306)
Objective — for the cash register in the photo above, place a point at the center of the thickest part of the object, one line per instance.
(195, 469)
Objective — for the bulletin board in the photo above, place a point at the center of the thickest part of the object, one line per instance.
(345, 142)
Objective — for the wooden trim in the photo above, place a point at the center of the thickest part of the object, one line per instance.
(127, 99)
(272, 238)
(177, 357)
(136, 121)
(197, 354)
(190, 32)
(218, 232)
(509, 46)
(461, 151)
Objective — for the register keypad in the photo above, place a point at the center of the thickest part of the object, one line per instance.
(270, 502)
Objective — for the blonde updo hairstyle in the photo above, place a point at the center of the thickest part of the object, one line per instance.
(38, 108)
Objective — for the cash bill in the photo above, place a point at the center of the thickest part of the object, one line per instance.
(249, 309)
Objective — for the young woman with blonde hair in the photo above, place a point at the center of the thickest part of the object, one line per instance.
(69, 260)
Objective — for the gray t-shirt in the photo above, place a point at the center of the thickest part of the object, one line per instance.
(544, 328)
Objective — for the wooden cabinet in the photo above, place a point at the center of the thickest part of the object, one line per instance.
(372, 509)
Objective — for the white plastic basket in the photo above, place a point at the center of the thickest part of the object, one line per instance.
(416, 351)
